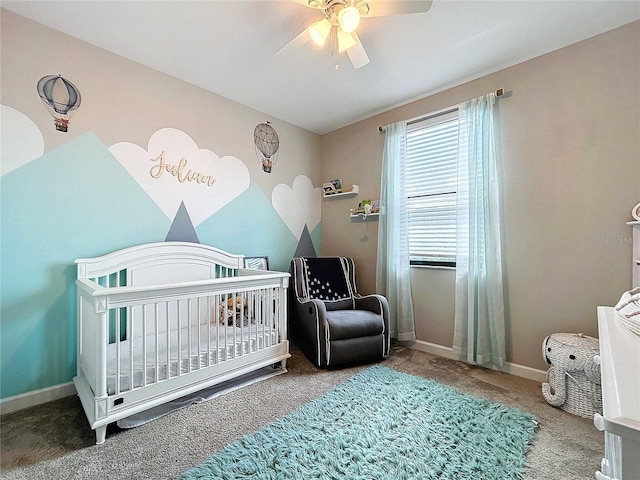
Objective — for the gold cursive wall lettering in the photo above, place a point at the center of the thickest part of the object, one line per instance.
(178, 171)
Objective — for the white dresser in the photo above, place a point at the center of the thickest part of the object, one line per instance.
(620, 419)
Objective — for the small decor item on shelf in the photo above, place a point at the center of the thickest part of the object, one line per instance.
(332, 187)
(61, 97)
(367, 207)
(636, 212)
(267, 144)
(329, 188)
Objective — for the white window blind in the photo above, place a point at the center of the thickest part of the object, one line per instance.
(432, 152)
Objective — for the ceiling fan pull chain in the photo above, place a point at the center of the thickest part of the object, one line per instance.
(334, 41)
(334, 46)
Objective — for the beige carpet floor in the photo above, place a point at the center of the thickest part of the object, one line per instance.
(53, 441)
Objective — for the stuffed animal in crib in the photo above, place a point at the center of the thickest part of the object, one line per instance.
(234, 309)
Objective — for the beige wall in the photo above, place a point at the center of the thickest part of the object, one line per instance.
(125, 101)
(571, 155)
(571, 164)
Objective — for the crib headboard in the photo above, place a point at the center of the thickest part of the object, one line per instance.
(160, 263)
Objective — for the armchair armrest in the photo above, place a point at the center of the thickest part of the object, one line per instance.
(374, 303)
(377, 304)
(310, 308)
(311, 334)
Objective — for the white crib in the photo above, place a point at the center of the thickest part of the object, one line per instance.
(157, 322)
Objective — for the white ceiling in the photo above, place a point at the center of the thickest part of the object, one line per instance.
(228, 47)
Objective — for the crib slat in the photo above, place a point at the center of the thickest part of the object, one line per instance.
(275, 315)
(216, 310)
(195, 348)
(168, 341)
(251, 299)
(188, 346)
(260, 318)
(118, 352)
(241, 320)
(269, 317)
(261, 325)
(194, 325)
(189, 339)
(130, 337)
(208, 320)
(197, 320)
(155, 333)
(226, 326)
(235, 329)
(144, 345)
(259, 315)
(265, 316)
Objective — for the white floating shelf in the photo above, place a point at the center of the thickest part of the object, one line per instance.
(353, 190)
(353, 213)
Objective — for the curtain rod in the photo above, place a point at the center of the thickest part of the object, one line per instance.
(499, 93)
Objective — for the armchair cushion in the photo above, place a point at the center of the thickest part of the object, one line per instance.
(353, 323)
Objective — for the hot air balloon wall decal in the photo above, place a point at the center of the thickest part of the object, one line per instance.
(267, 144)
(61, 97)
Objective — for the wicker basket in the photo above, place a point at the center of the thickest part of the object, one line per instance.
(574, 372)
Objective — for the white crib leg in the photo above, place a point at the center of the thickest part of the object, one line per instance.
(101, 434)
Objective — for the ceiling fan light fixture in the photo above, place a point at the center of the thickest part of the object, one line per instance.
(319, 31)
(349, 19)
(345, 41)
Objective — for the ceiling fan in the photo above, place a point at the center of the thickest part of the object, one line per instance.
(341, 19)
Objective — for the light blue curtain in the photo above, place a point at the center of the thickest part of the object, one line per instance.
(393, 275)
(479, 314)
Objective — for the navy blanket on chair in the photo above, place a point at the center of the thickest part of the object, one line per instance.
(327, 279)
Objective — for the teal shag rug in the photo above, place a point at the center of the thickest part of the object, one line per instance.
(382, 424)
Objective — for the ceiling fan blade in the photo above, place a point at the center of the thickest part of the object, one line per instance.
(381, 8)
(356, 54)
(299, 40)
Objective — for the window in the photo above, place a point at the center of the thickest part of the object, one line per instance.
(431, 178)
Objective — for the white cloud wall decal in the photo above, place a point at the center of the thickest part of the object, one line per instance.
(298, 205)
(174, 170)
(20, 138)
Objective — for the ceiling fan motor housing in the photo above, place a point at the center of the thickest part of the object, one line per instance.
(332, 9)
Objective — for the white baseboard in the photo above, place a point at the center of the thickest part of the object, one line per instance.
(37, 397)
(511, 368)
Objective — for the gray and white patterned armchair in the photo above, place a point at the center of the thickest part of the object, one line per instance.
(330, 322)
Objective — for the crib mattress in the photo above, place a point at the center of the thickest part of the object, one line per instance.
(180, 352)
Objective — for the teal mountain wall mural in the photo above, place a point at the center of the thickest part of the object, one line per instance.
(80, 201)
(75, 201)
